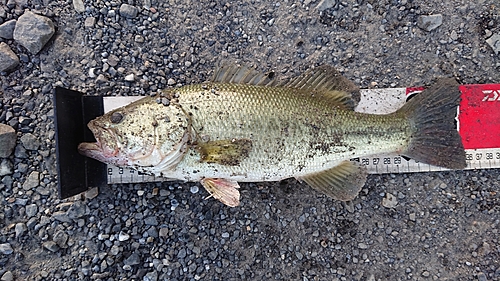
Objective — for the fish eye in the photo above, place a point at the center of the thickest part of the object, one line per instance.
(116, 117)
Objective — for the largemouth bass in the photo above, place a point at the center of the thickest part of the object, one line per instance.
(243, 126)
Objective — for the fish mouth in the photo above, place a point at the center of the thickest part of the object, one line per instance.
(105, 149)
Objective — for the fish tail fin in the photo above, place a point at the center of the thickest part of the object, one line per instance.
(434, 137)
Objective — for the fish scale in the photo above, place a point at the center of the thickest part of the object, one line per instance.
(319, 135)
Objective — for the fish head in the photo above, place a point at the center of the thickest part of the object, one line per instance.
(145, 133)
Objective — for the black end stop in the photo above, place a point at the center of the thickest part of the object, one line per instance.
(76, 173)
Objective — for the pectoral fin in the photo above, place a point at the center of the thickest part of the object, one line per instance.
(342, 182)
(225, 152)
(226, 191)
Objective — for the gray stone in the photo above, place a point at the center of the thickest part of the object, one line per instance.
(7, 276)
(8, 59)
(326, 4)
(150, 276)
(32, 181)
(20, 229)
(389, 201)
(163, 232)
(130, 78)
(89, 22)
(362, 246)
(213, 255)
(151, 221)
(77, 210)
(128, 11)
(61, 239)
(182, 254)
(7, 29)
(8, 135)
(92, 193)
(33, 31)
(31, 210)
(44, 190)
(61, 216)
(79, 6)
(6, 167)
(494, 42)
(431, 22)
(123, 236)
(51, 246)
(6, 249)
(134, 259)
(30, 142)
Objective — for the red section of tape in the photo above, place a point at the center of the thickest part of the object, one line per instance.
(414, 90)
(479, 116)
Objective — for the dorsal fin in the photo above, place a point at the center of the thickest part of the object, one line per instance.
(328, 83)
(322, 78)
(242, 75)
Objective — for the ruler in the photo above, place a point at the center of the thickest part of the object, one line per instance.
(478, 124)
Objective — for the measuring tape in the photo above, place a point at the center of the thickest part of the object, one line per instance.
(478, 125)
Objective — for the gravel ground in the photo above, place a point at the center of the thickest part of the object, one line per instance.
(445, 226)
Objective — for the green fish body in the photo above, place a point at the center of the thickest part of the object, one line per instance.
(244, 127)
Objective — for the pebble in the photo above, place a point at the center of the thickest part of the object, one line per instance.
(431, 22)
(6, 249)
(89, 22)
(133, 259)
(481, 277)
(413, 216)
(8, 59)
(8, 135)
(79, 6)
(123, 236)
(130, 78)
(20, 229)
(61, 239)
(326, 4)
(32, 181)
(7, 29)
(194, 189)
(128, 11)
(163, 232)
(182, 253)
(151, 221)
(61, 216)
(7, 276)
(33, 31)
(92, 193)
(362, 246)
(6, 167)
(494, 43)
(51, 246)
(31, 210)
(389, 201)
(213, 255)
(30, 142)
(77, 210)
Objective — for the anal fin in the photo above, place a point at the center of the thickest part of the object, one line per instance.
(342, 182)
(226, 191)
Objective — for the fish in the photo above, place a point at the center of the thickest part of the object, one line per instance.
(246, 126)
